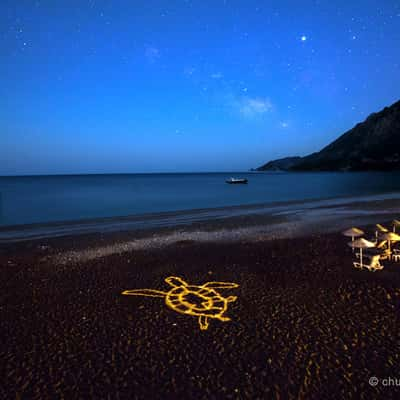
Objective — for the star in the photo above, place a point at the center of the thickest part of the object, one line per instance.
(303, 38)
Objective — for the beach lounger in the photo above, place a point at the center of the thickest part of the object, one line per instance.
(383, 247)
(382, 252)
(373, 266)
(385, 254)
(396, 255)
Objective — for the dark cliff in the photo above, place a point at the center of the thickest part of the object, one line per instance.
(371, 145)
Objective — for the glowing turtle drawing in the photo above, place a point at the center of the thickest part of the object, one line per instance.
(200, 301)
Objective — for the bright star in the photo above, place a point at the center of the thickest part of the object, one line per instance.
(303, 38)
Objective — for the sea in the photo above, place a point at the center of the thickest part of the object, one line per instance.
(66, 198)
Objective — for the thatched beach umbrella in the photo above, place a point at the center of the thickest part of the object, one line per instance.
(361, 244)
(390, 237)
(353, 233)
(380, 229)
(395, 223)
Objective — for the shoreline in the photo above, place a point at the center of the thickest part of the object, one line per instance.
(282, 221)
(268, 215)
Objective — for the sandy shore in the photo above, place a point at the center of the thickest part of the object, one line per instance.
(305, 324)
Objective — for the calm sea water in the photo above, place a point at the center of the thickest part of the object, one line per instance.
(41, 199)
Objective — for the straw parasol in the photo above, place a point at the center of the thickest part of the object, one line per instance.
(390, 237)
(353, 232)
(361, 244)
(380, 229)
(395, 223)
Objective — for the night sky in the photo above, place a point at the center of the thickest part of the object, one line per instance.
(145, 86)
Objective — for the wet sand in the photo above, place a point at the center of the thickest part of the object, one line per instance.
(306, 324)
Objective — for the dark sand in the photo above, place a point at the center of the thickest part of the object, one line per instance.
(306, 323)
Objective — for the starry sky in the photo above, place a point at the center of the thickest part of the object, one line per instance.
(103, 86)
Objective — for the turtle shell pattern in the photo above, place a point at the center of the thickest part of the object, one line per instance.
(196, 300)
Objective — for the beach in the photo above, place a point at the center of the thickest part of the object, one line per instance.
(305, 323)
(199, 200)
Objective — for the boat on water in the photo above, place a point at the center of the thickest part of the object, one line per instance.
(236, 180)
